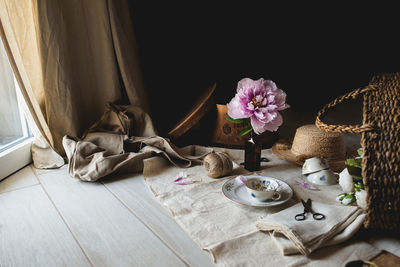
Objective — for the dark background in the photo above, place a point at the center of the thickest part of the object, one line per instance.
(314, 53)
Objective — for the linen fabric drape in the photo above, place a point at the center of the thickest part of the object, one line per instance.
(70, 59)
(120, 142)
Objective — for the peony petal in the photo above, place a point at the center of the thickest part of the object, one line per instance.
(183, 179)
(250, 106)
(178, 179)
(261, 116)
(259, 98)
(257, 125)
(264, 116)
(280, 100)
(271, 108)
(240, 179)
(188, 181)
(307, 185)
(273, 125)
(235, 109)
(270, 85)
(245, 83)
(264, 102)
(256, 91)
(271, 98)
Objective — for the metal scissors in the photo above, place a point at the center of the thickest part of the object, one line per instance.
(307, 208)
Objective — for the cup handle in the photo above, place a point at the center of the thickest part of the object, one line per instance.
(276, 196)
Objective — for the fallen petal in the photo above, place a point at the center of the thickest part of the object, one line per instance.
(178, 179)
(241, 179)
(306, 185)
(189, 181)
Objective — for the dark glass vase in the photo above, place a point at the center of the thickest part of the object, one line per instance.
(252, 153)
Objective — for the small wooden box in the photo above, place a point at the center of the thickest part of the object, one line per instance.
(227, 134)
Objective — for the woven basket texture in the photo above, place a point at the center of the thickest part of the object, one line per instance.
(381, 148)
(380, 141)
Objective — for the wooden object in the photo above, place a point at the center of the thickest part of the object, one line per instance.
(109, 233)
(386, 259)
(132, 190)
(51, 241)
(227, 134)
(33, 233)
(205, 102)
(21, 179)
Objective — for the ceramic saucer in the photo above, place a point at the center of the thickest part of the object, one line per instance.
(235, 190)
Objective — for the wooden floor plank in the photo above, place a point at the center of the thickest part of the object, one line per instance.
(132, 190)
(23, 178)
(106, 230)
(33, 234)
(46, 171)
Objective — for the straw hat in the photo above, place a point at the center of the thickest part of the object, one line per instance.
(309, 141)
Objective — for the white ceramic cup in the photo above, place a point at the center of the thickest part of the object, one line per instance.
(314, 164)
(263, 189)
(323, 177)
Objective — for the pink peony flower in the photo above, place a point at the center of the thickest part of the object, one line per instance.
(260, 101)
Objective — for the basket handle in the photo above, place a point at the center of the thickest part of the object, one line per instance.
(355, 129)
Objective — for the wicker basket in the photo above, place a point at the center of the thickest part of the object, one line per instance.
(380, 140)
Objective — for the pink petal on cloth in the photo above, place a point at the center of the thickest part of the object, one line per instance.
(178, 179)
(182, 179)
(241, 179)
(189, 181)
(306, 185)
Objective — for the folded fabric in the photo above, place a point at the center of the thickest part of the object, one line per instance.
(119, 142)
(293, 237)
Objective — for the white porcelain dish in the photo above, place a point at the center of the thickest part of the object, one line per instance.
(314, 164)
(263, 189)
(323, 177)
(236, 190)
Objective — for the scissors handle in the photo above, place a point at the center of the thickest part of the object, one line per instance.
(300, 217)
(318, 216)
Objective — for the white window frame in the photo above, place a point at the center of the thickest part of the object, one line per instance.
(15, 158)
(17, 154)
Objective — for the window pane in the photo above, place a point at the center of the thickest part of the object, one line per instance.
(13, 127)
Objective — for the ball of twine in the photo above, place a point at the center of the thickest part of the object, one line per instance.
(217, 164)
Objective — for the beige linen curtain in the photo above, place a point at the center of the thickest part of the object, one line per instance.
(70, 59)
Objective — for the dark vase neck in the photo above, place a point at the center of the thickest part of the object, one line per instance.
(252, 153)
(254, 138)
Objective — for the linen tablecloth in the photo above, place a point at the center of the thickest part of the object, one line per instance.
(228, 230)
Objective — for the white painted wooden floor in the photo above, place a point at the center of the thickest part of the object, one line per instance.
(48, 218)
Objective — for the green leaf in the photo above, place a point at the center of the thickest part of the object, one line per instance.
(354, 167)
(348, 196)
(354, 163)
(237, 120)
(356, 178)
(360, 152)
(246, 130)
(359, 185)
